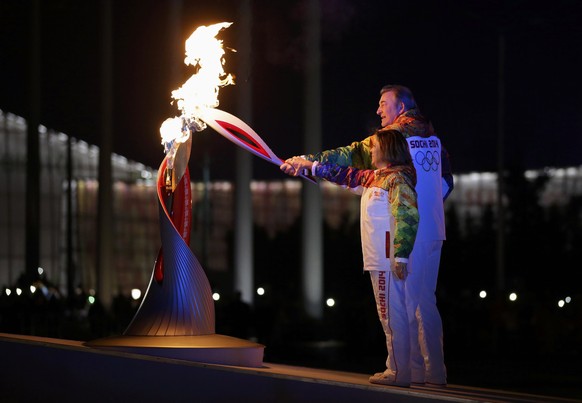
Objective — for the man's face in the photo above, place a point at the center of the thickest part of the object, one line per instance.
(389, 108)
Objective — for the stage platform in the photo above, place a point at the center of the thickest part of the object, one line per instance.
(38, 369)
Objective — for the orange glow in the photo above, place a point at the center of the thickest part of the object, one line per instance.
(206, 54)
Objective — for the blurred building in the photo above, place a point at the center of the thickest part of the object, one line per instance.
(135, 233)
(276, 207)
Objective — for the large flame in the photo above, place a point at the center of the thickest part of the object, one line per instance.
(206, 54)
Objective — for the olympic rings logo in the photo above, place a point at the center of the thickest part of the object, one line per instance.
(429, 161)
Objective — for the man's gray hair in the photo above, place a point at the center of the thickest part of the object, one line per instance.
(402, 93)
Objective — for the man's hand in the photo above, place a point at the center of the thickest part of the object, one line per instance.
(288, 169)
(400, 270)
(294, 165)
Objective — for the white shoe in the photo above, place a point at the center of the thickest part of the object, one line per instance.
(382, 378)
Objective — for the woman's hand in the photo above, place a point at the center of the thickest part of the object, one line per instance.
(400, 270)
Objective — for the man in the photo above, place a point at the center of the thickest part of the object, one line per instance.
(398, 111)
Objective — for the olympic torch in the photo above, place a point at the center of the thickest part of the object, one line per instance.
(241, 134)
(178, 303)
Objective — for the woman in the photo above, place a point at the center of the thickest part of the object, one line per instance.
(388, 225)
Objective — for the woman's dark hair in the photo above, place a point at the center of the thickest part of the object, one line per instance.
(394, 147)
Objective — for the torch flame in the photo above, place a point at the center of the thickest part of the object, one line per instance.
(173, 133)
(206, 54)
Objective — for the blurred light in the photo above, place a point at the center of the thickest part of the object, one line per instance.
(561, 303)
(8, 291)
(135, 294)
(91, 299)
(512, 296)
(291, 184)
(92, 292)
(40, 271)
(18, 291)
(330, 302)
(275, 186)
(261, 291)
(62, 137)
(223, 186)
(531, 174)
(483, 294)
(216, 296)
(259, 186)
(474, 177)
(82, 146)
(568, 300)
(32, 289)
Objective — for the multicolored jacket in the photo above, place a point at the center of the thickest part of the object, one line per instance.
(389, 213)
(410, 123)
(434, 177)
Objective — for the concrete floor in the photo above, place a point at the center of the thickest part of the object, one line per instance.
(44, 369)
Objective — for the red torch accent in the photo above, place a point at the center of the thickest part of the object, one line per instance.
(179, 213)
(245, 138)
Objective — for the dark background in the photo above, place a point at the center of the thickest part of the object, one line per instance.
(447, 52)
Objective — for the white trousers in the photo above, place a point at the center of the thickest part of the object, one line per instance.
(391, 306)
(425, 324)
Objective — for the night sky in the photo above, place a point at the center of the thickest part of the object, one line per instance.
(447, 52)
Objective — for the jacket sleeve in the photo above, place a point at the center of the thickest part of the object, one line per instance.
(404, 208)
(346, 176)
(447, 173)
(357, 155)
